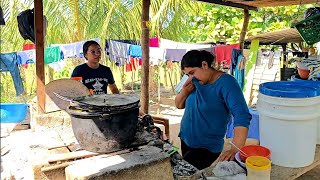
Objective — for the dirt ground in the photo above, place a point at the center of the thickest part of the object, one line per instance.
(17, 149)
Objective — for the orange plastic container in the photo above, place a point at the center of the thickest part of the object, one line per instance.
(303, 73)
(254, 150)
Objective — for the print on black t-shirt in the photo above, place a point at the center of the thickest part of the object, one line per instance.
(95, 79)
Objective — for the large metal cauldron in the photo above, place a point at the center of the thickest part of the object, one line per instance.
(104, 123)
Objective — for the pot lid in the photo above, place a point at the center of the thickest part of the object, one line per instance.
(107, 101)
(64, 87)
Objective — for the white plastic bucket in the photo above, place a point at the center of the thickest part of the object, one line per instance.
(288, 127)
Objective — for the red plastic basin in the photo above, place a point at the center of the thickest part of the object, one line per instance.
(254, 150)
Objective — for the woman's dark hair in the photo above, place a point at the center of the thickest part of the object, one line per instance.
(86, 46)
(194, 58)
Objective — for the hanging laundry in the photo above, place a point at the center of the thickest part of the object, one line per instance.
(237, 67)
(29, 46)
(210, 49)
(57, 65)
(128, 67)
(234, 61)
(118, 52)
(154, 42)
(168, 44)
(26, 57)
(52, 54)
(271, 59)
(165, 43)
(224, 52)
(135, 51)
(239, 71)
(8, 62)
(140, 61)
(107, 48)
(73, 50)
(175, 54)
(134, 42)
(156, 55)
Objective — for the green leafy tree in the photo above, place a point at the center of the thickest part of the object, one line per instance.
(217, 23)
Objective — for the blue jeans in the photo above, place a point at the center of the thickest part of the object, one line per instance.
(8, 62)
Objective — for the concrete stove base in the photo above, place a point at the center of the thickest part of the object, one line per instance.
(147, 163)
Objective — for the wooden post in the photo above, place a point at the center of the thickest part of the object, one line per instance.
(145, 56)
(284, 48)
(38, 25)
(244, 27)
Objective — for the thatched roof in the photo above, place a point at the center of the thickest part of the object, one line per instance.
(278, 37)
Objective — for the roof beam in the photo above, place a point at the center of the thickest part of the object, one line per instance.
(231, 4)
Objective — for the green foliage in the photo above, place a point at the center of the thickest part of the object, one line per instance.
(219, 23)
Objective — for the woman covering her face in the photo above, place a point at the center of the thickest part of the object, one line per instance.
(95, 76)
(209, 97)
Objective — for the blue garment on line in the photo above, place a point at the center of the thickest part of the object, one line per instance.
(234, 60)
(207, 112)
(239, 74)
(8, 62)
(135, 51)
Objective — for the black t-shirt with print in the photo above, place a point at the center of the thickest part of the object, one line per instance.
(95, 79)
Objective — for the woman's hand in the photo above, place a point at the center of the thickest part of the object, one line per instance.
(186, 90)
(240, 135)
(228, 155)
(188, 86)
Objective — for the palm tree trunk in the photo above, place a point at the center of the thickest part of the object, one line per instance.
(77, 16)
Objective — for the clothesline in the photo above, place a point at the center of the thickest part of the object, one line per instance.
(119, 51)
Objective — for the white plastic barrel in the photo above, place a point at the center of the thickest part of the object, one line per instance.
(289, 116)
(315, 84)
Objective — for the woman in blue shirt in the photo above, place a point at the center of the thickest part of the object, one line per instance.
(209, 98)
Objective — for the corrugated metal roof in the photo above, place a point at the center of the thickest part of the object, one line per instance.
(278, 37)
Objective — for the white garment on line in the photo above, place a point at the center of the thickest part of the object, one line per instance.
(118, 52)
(27, 56)
(156, 55)
(74, 50)
(57, 65)
(168, 44)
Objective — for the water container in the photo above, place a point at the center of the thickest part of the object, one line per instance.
(315, 84)
(288, 114)
(13, 112)
(258, 167)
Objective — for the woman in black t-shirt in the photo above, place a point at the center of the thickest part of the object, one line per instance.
(95, 76)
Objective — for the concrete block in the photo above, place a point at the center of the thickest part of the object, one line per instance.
(147, 163)
(50, 120)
